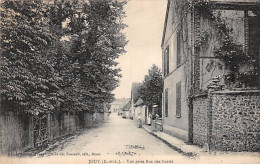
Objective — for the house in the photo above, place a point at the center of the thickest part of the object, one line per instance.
(114, 107)
(134, 97)
(141, 111)
(203, 40)
(126, 110)
(118, 104)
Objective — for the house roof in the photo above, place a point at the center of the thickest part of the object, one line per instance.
(121, 102)
(127, 106)
(135, 91)
(139, 102)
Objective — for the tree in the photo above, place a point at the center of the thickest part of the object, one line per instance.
(98, 43)
(152, 88)
(60, 55)
(27, 70)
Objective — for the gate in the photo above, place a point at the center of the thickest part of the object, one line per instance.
(40, 130)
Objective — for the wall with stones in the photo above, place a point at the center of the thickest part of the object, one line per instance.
(227, 120)
(236, 121)
(200, 120)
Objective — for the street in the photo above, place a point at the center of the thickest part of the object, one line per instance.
(118, 136)
(118, 140)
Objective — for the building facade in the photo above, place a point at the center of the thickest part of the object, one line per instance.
(134, 97)
(200, 42)
(141, 111)
(126, 110)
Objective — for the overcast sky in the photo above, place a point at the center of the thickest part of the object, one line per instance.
(145, 20)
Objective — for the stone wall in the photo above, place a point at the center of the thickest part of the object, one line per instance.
(228, 120)
(236, 121)
(200, 120)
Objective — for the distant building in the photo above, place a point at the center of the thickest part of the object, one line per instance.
(135, 95)
(118, 104)
(141, 110)
(126, 110)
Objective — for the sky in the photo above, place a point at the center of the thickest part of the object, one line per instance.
(145, 20)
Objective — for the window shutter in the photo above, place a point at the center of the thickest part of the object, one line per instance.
(179, 48)
(173, 16)
(166, 61)
(178, 99)
(166, 103)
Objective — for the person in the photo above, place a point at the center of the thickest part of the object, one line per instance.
(149, 120)
(139, 120)
(156, 116)
(154, 111)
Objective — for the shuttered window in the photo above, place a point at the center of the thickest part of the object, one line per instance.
(173, 17)
(179, 48)
(166, 61)
(178, 99)
(166, 103)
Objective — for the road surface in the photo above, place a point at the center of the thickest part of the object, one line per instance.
(120, 139)
(115, 136)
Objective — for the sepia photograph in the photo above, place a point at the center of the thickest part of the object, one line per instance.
(130, 82)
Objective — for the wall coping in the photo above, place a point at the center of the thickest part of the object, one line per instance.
(237, 92)
(200, 95)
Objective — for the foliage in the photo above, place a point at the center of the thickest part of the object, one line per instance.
(27, 69)
(152, 87)
(60, 55)
(242, 67)
(94, 49)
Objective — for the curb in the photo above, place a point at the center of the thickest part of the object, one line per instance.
(178, 149)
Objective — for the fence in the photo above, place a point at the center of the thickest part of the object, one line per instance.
(19, 132)
(227, 120)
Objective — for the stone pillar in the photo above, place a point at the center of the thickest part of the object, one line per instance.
(214, 86)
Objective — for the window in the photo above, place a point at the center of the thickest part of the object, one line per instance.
(166, 61)
(166, 103)
(179, 48)
(254, 36)
(178, 99)
(173, 19)
(253, 45)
